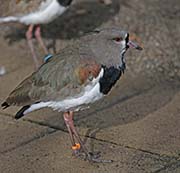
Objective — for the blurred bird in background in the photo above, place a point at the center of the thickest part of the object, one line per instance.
(34, 13)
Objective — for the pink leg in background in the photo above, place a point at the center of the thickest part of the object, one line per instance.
(39, 39)
(29, 35)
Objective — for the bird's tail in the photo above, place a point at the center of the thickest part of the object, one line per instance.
(8, 19)
(29, 108)
(21, 112)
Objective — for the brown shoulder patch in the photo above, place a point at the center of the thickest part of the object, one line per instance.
(88, 70)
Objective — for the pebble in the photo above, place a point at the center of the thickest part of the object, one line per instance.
(2, 71)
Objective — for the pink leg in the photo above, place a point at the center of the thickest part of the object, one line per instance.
(75, 132)
(67, 122)
(30, 44)
(39, 39)
(68, 118)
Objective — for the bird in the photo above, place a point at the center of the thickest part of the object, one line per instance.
(33, 14)
(81, 74)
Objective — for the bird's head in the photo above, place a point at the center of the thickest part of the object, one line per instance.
(110, 45)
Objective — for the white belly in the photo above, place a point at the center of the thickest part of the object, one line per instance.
(89, 96)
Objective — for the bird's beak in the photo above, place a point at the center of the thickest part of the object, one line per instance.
(131, 44)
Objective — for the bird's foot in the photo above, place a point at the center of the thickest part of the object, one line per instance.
(89, 156)
(95, 157)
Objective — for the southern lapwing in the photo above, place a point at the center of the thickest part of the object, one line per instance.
(34, 13)
(73, 79)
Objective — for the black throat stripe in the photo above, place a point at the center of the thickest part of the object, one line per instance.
(64, 3)
(110, 77)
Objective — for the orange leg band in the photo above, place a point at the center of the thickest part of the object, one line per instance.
(77, 146)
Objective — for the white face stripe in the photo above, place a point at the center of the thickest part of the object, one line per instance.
(123, 44)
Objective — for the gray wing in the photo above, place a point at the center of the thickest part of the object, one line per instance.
(64, 75)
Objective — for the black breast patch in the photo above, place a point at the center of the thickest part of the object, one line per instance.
(65, 3)
(110, 77)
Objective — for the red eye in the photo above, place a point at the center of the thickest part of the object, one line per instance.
(118, 39)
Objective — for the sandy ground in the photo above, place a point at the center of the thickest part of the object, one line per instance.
(137, 125)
